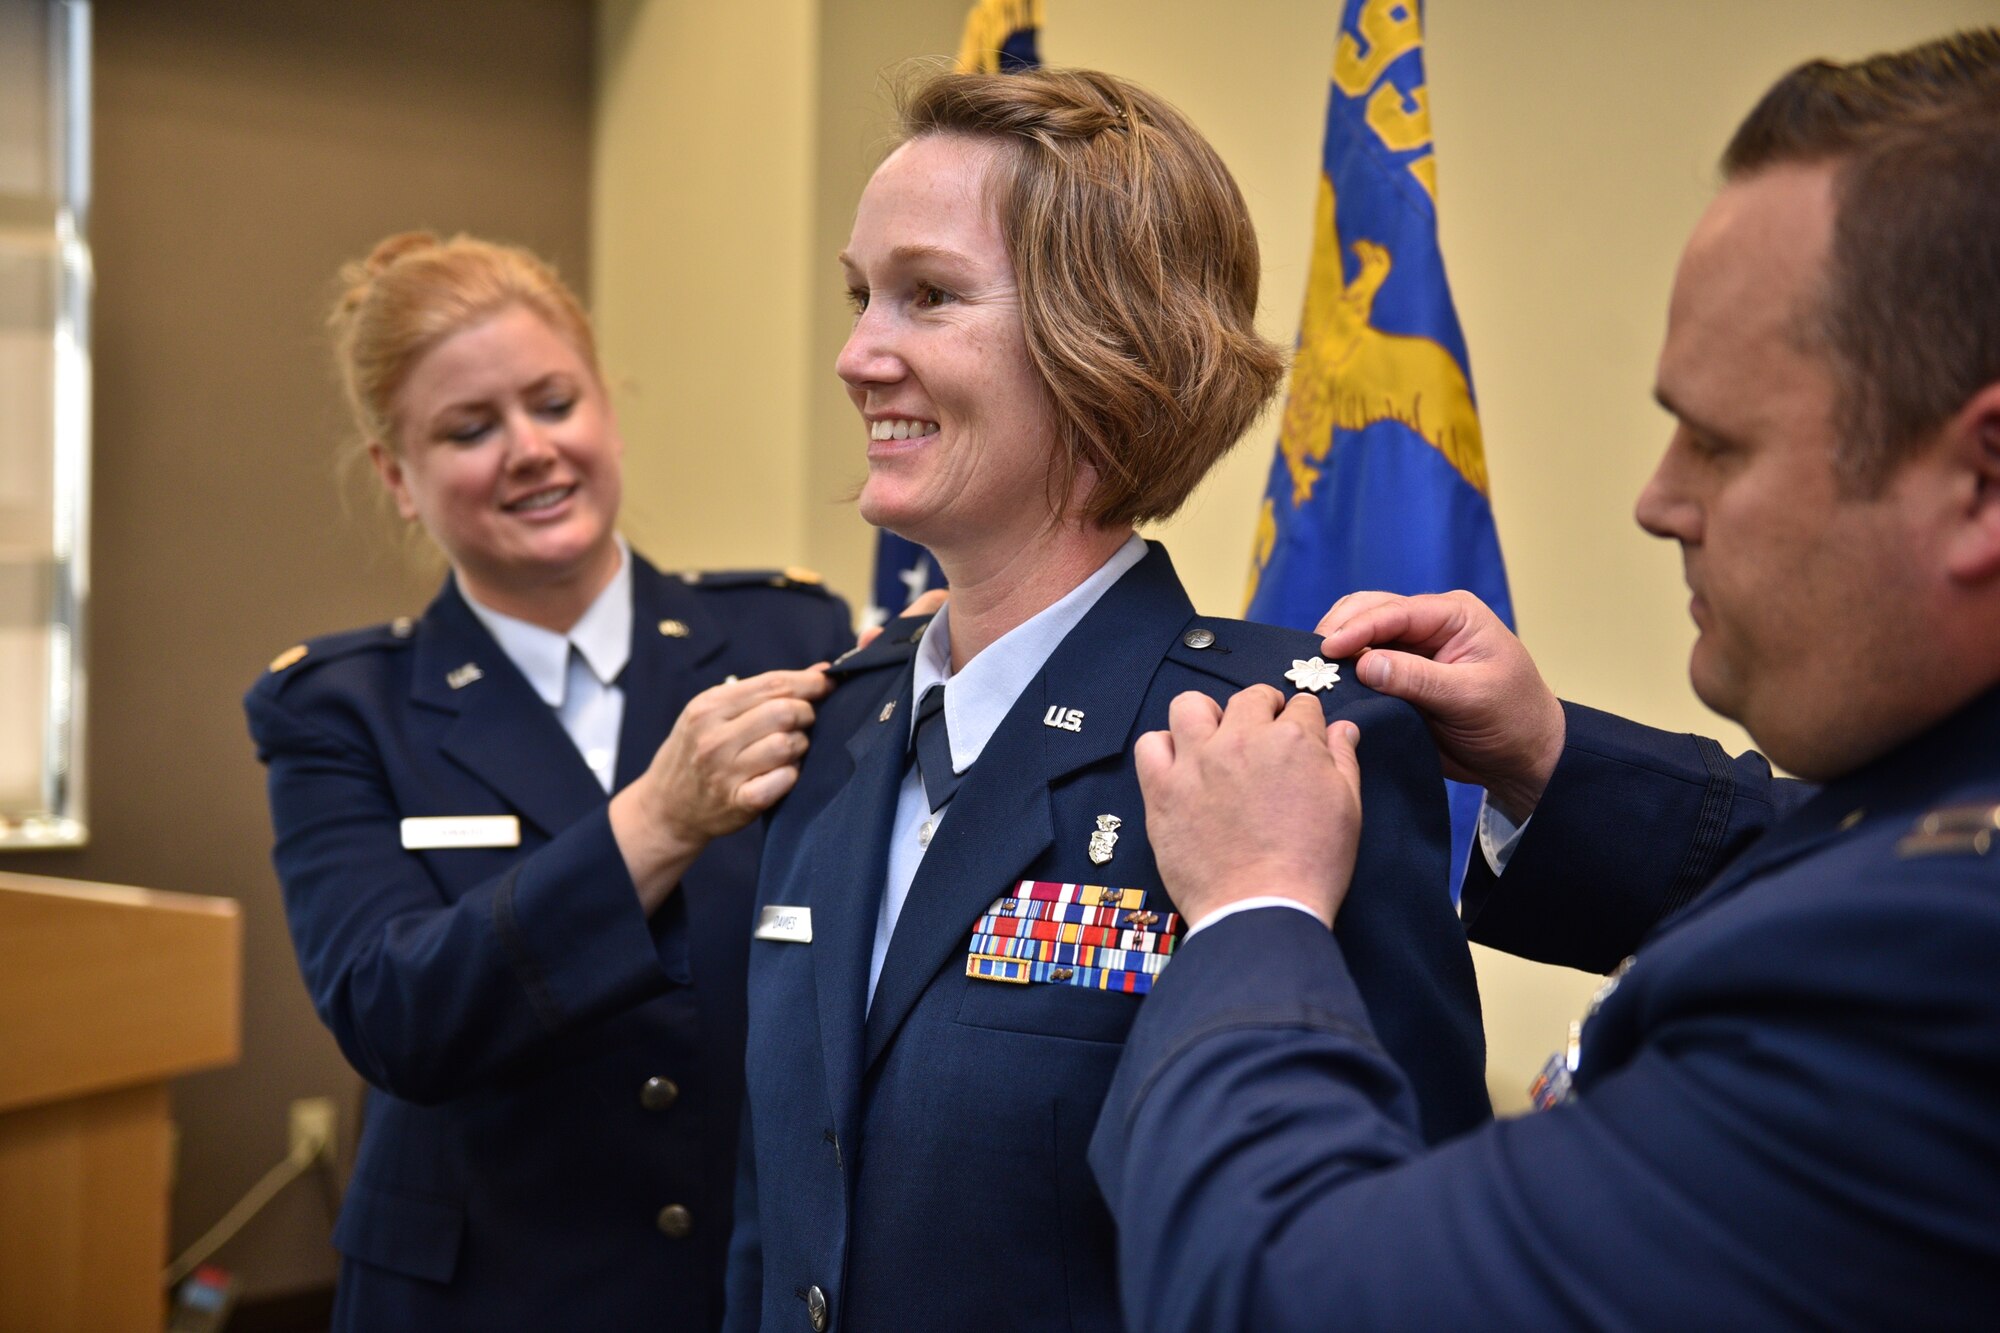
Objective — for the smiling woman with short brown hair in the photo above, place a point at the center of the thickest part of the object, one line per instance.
(1054, 281)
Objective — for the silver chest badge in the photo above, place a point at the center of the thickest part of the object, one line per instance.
(1104, 839)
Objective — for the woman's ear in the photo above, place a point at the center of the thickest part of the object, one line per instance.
(390, 469)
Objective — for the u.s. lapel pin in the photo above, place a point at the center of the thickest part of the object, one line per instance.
(1104, 838)
(674, 629)
(460, 677)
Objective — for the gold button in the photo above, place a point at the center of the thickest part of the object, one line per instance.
(659, 1093)
(675, 1222)
(816, 1309)
(1198, 638)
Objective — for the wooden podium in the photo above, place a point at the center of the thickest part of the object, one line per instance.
(105, 994)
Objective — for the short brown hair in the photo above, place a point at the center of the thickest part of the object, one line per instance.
(1138, 272)
(1906, 312)
(413, 291)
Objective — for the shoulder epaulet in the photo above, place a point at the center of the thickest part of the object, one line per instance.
(332, 647)
(1246, 653)
(791, 576)
(892, 647)
(1968, 829)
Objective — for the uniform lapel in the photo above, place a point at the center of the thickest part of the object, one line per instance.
(672, 635)
(843, 861)
(502, 732)
(1001, 821)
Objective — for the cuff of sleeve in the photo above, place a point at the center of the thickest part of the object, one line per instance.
(571, 921)
(1498, 835)
(1247, 905)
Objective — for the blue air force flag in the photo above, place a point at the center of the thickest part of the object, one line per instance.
(1001, 37)
(1380, 475)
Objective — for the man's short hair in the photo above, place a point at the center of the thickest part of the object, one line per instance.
(1910, 309)
(1138, 270)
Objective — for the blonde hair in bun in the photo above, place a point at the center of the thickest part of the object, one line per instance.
(413, 291)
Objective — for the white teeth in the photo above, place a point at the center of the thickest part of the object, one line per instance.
(901, 429)
(542, 499)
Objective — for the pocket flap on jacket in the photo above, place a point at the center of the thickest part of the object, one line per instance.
(403, 1233)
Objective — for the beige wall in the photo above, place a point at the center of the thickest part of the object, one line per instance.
(1576, 143)
(701, 315)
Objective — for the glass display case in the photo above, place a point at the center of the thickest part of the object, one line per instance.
(45, 287)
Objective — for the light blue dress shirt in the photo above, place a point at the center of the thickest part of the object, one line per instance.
(574, 673)
(976, 701)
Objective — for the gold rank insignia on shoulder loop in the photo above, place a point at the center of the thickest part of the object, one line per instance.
(402, 627)
(674, 629)
(460, 677)
(1952, 830)
(287, 658)
(800, 574)
(1313, 674)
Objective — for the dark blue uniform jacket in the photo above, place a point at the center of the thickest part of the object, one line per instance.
(923, 1167)
(1787, 1110)
(509, 1005)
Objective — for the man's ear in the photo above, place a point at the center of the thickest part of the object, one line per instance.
(390, 469)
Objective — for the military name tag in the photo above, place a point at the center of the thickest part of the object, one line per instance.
(432, 832)
(792, 925)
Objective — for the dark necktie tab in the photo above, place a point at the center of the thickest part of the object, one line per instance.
(933, 744)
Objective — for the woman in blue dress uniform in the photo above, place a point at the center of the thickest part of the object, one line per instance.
(1055, 284)
(514, 833)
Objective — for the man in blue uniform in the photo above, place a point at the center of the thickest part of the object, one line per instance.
(1781, 1109)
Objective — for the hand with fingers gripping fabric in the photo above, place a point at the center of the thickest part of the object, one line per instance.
(1495, 721)
(1258, 799)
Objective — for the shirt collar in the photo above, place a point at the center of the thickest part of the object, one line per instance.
(986, 688)
(603, 635)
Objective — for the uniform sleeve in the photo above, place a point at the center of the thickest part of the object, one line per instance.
(1634, 824)
(1403, 942)
(430, 997)
(1794, 1125)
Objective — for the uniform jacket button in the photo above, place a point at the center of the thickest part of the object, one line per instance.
(659, 1093)
(675, 1222)
(816, 1309)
